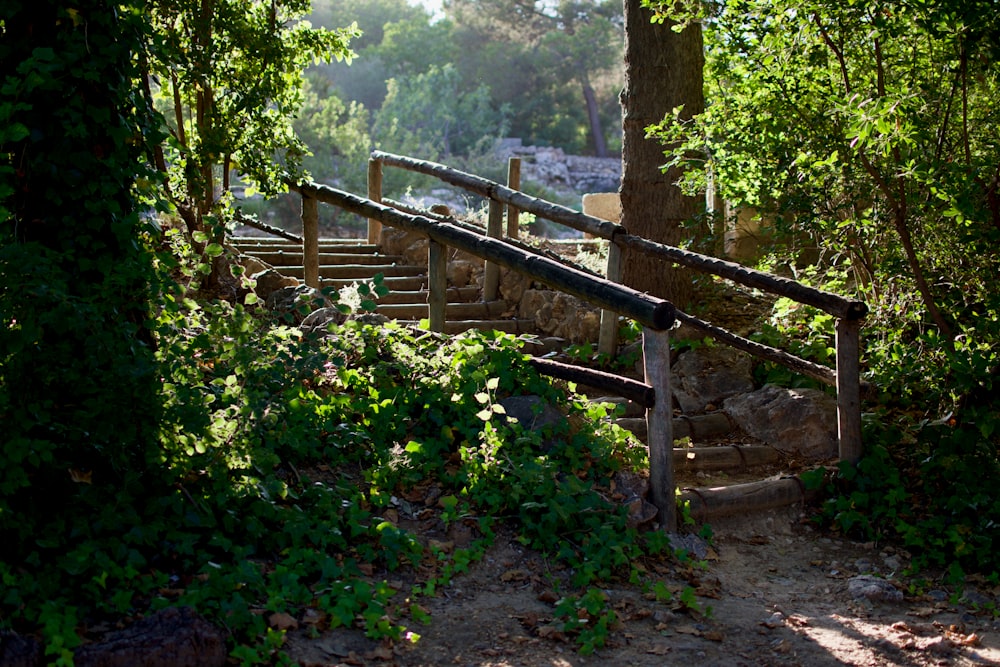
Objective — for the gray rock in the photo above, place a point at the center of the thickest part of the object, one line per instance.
(802, 421)
(562, 315)
(320, 319)
(709, 375)
(173, 636)
(269, 281)
(531, 412)
(19, 651)
(874, 589)
(297, 301)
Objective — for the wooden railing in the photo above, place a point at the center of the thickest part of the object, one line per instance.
(656, 315)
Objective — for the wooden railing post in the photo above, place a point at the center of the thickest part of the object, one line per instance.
(437, 284)
(310, 241)
(659, 425)
(514, 183)
(375, 194)
(849, 389)
(491, 271)
(607, 343)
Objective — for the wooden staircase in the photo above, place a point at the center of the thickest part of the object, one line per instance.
(347, 261)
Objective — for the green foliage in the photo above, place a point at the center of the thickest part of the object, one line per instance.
(866, 135)
(281, 466)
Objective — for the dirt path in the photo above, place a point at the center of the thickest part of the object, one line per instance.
(779, 593)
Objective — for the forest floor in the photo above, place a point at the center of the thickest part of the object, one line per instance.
(775, 592)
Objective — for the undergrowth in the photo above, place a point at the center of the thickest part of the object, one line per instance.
(279, 481)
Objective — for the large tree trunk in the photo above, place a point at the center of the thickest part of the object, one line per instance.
(663, 70)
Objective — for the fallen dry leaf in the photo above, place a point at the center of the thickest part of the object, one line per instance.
(282, 621)
(660, 649)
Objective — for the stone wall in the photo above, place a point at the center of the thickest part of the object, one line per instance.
(567, 174)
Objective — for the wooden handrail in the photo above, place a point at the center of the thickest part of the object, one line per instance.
(649, 310)
(829, 302)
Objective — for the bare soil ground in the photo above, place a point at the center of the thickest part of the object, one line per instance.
(778, 592)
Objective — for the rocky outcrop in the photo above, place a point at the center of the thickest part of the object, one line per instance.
(552, 168)
(800, 421)
(704, 377)
(561, 315)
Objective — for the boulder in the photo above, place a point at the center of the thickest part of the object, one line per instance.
(561, 315)
(296, 301)
(173, 636)
(800, 421)
(513, 285)
(412, 246)
(269, 281)
(320, 319)
(708, 375)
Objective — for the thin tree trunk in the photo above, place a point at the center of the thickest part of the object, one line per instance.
(663, 71)
(600, 145)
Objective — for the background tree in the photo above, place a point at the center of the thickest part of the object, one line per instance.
(78, 390)
(230, 73)
(573, 40)
(663, 75)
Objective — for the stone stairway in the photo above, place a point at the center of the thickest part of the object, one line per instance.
(711, 449)
(346, 261)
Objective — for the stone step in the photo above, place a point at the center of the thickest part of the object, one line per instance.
(696, 427)
(281, 258)
(516, 327)
(456, 311)
(454, 295)
(359, 271)
(250, 245)
(394, 283)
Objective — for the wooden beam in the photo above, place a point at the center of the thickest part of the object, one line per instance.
(514, 183)
(310, 241)
(491, 271)
(437, 284)
(633, 390)
(375, 194)
(607, 342)
(660, 439)
(848, 390)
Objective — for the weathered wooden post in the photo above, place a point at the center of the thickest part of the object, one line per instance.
(310, 241)
(437, 284)
(849, 389)
(491, 271)
(514, 183)
(659, 433)
(607, 342)
(375, 194)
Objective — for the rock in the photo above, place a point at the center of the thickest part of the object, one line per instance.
(874, 589)
(533, 414)
(296, 301)
(270, 281)
(708, 375)
(373, 319)
(168, 638)
(320, 320)
(463, 271)
(18, 651)
(803, 421)
(252, 265)
(513, 285)
(412, 246)
(561, 315)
